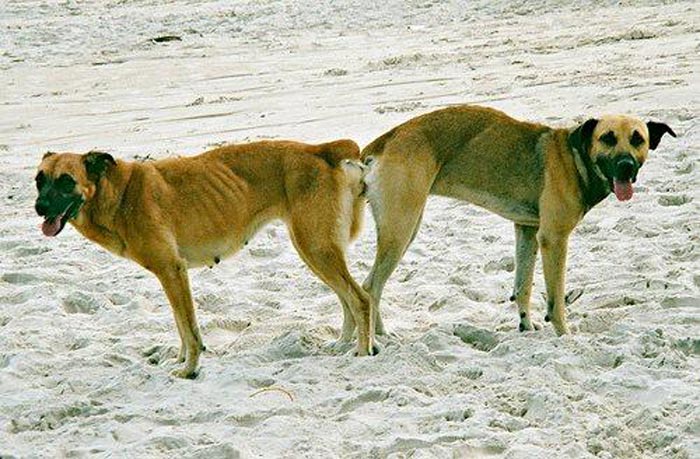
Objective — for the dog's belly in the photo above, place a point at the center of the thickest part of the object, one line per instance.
(517, 211)
(210, 254)
(224, 241)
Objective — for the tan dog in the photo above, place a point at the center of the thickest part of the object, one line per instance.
(174, 214)
(542, 179)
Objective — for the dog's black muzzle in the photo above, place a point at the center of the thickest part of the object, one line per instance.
(57, 203)
(51, 203)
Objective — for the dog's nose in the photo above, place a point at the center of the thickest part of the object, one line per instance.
(626, 168)
(41, 207)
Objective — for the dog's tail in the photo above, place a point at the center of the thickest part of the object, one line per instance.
(334, 152)
(346, 155)
(376, 148)
(355, 173)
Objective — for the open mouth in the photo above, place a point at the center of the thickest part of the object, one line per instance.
(623, 178)
(54, 225)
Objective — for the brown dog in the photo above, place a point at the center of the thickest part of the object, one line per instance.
(542, 179)
(174, 214)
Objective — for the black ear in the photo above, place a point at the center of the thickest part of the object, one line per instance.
(96, 163)
(47, 154)
(580, 138)
(656, 131)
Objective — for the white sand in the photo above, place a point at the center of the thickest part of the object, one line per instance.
(84, 336)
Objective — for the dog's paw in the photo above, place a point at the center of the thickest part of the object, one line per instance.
(185, 373)
(374, 351)
(560, 328)
(533, 326)
(528, 325)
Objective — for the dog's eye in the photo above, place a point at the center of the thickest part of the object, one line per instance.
(65, 183)
(636, 139)
(40, 180)
(609, 139)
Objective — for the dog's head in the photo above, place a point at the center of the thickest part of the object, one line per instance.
(618, 146)
(65, 182)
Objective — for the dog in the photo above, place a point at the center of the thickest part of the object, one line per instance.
(541, 178)
(173, 214)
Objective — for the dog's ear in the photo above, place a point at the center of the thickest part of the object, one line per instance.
(96, 163)
(580, 138)
(47, 154)
(656, 131)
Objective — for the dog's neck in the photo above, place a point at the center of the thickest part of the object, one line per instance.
(594, 186)
(96, 219)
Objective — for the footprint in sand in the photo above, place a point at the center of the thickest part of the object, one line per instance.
(20, 278)
(157, 354)
(294, 345)
(478, 338)
(83, 303)
(368, 396)
(220, 451)
(680, 302)
(232, 325)
(335, 71)
(30, 251)
(673, 200)
(222, 332)
(504, 264)
(689, 346)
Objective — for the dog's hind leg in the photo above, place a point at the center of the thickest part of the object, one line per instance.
(326, 259)
(348, 323)
(525, 258)
(182, 353)
(397, 191)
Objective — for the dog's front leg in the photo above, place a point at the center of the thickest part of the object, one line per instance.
(525, 257)
(553, 245)
(173, 277)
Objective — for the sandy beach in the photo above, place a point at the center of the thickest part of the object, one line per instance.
(86, 337)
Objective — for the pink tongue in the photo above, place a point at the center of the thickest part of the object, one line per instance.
(623, 190)
(51, 228)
